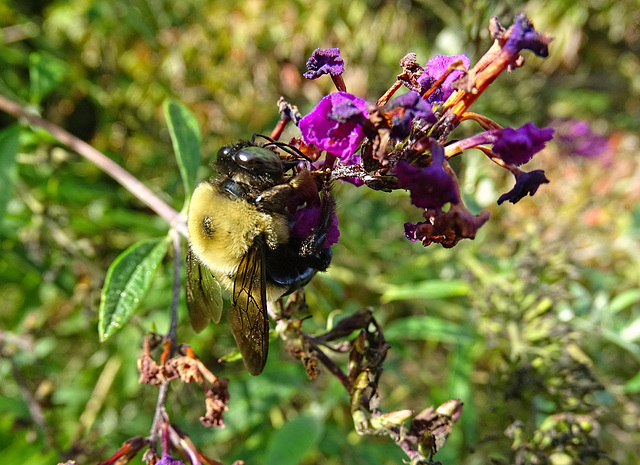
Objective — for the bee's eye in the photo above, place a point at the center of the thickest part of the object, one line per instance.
(258, 160)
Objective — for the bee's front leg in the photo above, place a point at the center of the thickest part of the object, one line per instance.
(301, 190)
(274, 198)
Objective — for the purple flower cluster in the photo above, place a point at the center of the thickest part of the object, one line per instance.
(431, 187)
(401, 143)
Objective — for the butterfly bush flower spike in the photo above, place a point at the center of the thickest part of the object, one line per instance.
(403, 142)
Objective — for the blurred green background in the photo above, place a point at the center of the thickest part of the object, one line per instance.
(535, 324)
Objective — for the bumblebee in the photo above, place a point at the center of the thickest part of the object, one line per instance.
(262, 228)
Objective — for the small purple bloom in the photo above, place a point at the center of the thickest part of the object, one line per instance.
(410, 231)
(415, 108)
(526, 183)
(446, 228)
(522, 35)
(168, 460)
(431, 187)
(324, 61)
(518, 146)
(577, 138)
(333, 125)
(435, 68)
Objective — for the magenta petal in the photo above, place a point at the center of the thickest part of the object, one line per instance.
(330, 125)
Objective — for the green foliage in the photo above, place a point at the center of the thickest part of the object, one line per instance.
(46, 72)
(128, 280)
(9, 144)
(185, 136)
(534, 325)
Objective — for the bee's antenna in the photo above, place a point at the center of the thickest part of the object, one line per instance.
(281, 145)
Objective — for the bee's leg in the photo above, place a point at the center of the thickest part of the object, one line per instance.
(302, 189)
(274, 198)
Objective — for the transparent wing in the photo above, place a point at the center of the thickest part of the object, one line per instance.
(204, 295)
(248, 313)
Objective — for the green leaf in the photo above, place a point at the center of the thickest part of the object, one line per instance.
(624, 300)
(9, 145)
(185, 136)
(46, 72)
(633, 385)
(434, 289)
(128, 279)
(290, 444)
(426, 328)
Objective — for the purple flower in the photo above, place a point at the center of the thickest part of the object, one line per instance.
(334, 125)
(446, 228)
(435, 68)
(577, 138)
(526, 183)
(522, 35)
(168, 460)
(324, 61)
(431, 187)
(517, 146)
(415, 108)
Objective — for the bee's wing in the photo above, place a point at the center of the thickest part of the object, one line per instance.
(248, 313)
(204, 295)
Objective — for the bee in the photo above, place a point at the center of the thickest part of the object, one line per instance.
(262, 229)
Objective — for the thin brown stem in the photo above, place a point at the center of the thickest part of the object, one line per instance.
(126, 179)
(160, 416)
(329, 364)
(175, 301)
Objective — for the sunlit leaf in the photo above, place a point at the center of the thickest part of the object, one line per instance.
(46, 72)
(427, 328)
(128, 279)
(9, 145)
(290, 444)
(632, 331)
(624, 300)
(186, 139)
(633, 385)
(434, 289)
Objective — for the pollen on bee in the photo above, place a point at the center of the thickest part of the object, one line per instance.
(207, 226)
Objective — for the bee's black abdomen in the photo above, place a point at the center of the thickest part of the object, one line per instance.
(286, 268)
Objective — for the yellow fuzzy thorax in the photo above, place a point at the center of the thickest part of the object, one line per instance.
(222, 229)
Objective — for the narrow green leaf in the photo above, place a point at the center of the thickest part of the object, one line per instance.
(9, 145)
(434, 289)
(46, 72)
(128, 279)
(624, 300)
(426, 328)
(185, 136)
(290, 444)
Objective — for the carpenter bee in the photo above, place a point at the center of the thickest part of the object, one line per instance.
(262, 228)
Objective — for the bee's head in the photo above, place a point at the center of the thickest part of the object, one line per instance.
(252, 160)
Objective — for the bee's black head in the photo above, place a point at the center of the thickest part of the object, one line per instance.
(250, 159)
